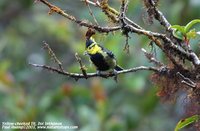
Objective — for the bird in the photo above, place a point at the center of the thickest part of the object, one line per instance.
(102, 58)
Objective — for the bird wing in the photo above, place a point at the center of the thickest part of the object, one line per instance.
(108, 52)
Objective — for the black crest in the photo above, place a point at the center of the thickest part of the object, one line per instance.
(89, 42)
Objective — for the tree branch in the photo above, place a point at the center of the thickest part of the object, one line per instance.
(186, 80)
(54, 8)
(91, 13)
(158, 15)
(116, 13)
(151, 58)
(82, 67)
(52, 54)
(90, 75)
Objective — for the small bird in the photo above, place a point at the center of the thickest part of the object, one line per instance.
(102, 58)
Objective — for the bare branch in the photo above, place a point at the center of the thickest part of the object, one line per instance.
(92, 3)
(126, 47)
(82, 67)
(110, 9)
(186, 80)
(158, 15)
(91, 13)
(54, 8)
(191, 56)
(52, 54)
(122, 16)
(151, 58)
(161, 18)
(90, 75)
(188, 84)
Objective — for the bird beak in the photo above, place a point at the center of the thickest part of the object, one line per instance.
(85, 53)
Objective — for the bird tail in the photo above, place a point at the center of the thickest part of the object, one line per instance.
(118, 68)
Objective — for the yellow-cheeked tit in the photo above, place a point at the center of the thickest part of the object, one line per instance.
(102, 58)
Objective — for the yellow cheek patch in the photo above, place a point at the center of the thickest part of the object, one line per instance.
(93, 49)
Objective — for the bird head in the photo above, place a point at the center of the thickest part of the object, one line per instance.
(89, 39)
(89, 42)
(92, 47)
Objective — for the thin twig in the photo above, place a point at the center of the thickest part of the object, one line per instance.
(82, 67)
(91, 13)
(151, 58)
(126, 47)
(110, 12)
(52, 54)
(54, 8)
(92, 3)
(116, 12)
(188, 84)
(122, 16)
(186, 80)
(158, 15)
(122, 13)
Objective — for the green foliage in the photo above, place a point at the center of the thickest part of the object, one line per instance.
(185, 32)
(187, 121)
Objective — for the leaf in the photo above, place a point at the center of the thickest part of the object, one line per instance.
(178, 34)
(184, 122)
(191, 34)
(190, 24)
(179, 28)
(181, 31)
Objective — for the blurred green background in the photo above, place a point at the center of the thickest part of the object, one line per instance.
(32, 94)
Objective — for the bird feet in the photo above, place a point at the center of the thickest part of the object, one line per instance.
(110, 73)
(98, 72)
(115, 75)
